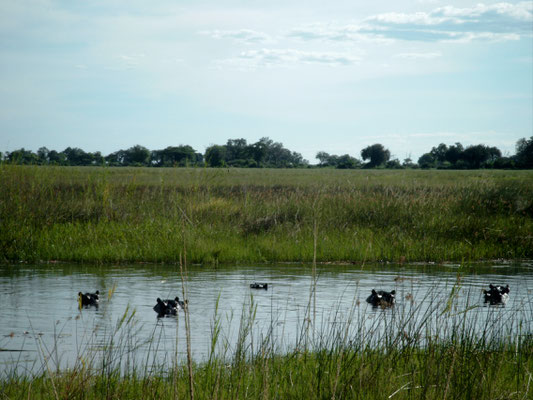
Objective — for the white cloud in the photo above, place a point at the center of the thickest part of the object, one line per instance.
(414, 56)
(467, 37)
(496, 22)
(335, 33)
(131, 60)
(242, 35)
(288, 57)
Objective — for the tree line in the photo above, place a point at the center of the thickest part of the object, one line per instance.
(235, 153)
(269, 154)
(455, 156)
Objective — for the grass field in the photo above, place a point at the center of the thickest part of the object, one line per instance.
(263, 215)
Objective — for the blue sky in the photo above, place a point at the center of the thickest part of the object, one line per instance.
(332, 76)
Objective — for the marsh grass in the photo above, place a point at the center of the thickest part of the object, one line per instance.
(128, 215)
(414, 351)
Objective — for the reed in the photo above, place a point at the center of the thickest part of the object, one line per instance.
(138, 214)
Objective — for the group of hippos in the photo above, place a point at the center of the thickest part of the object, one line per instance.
(162, 308)
(496, 295)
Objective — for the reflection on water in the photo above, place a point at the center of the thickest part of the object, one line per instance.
(41, 325)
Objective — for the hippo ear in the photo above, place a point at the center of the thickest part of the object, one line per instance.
(177, 299)
(491, 286)
(97, 292)
(393, 292)
(374, 291)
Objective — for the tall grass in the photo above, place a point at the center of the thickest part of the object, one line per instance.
(128, 215)
(411, 352)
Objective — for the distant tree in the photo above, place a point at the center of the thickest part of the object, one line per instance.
(56, 158)
(477, 155)
(344, 161)
(408, 163)
(504, 163)
(494, 155)
(393, 164)
(264, 153)
(524, 153)
(427, 160)
(377, 154)
(323, 158)
(297, 160)
(237, 149)
(215, 156)
(454, 153)
(175, 156)
(259, 150)
(116, 158)
(439, 152)
(278, 156)
(328, 160)
(22, 156)
(136, 155)
(43, 155)
(348, 162)
(76, 156)
(98, 159)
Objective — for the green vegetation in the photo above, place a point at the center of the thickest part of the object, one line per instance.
(269, 154)
(263, 215)
(406, 353)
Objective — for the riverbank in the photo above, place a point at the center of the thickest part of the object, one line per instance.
(108, 215)
(438, 372)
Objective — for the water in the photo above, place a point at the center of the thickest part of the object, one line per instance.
(41, 326)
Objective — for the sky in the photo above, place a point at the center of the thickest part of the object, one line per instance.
(333, 76)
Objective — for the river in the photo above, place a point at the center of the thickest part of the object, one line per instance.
(41, 326)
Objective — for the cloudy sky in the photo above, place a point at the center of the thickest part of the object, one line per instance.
(331, 76)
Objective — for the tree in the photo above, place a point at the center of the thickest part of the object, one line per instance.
(377, 154)
(279, 157)
(427, 160)
(56, 158)
(22, 156)
(215, 156)
(323, 158)
(174, 156)
(476, 156)
(116, 158)
(439, 152)
(347, 162)
(259, 151)
(136, 155)
(43, 155)
(332, 160)
(494, 155)
(98, 159)
(393, 164)
(454, 153)
(408, 163)
(237, 149)
(76, 156)
(524, 153)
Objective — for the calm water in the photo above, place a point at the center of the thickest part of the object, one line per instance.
(41, 325)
